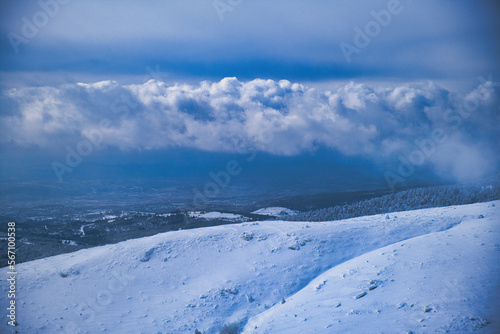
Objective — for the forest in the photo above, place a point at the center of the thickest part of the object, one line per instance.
(411, 199)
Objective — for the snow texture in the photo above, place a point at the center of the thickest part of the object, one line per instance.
(274, 211)
(429, 270)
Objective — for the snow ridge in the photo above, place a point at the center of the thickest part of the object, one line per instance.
(205, 279)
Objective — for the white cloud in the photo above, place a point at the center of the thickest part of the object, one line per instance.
(280, 118)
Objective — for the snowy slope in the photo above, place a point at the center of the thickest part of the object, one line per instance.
(177, 282)
(274, 211)
(440, 282)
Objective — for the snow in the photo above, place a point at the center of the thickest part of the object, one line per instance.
(439, 282)
(215, 215)
(427, 270)
(82, 229)
(274, 211)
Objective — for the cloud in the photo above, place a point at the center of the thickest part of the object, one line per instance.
(276, 117)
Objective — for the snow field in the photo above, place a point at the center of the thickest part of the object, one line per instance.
(204, 279)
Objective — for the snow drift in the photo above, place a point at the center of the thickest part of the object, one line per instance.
(421, 271)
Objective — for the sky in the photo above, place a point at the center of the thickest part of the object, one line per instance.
(399, 87)
(210, 40)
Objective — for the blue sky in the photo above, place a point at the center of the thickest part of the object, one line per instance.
(274, 77)
(294, 40)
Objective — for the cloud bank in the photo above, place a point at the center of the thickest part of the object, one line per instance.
(451, 132)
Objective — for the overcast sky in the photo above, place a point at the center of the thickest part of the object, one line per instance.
(294, 40)
(368, 79)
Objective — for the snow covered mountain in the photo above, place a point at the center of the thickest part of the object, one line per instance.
(423, 271)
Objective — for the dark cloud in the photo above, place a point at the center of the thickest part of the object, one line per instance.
(276, 117)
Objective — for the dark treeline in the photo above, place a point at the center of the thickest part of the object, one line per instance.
(417, 198)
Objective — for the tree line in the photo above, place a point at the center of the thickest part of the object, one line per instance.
(411, 199)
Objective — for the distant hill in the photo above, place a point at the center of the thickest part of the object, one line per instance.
(410, 199)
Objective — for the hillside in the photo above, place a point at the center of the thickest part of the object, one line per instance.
(410, 199)
(277, 275)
